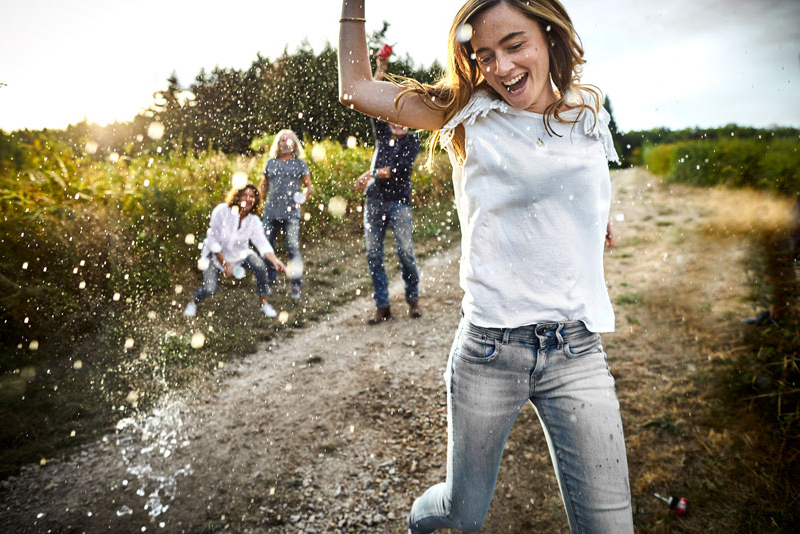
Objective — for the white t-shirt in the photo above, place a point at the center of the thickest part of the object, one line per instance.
(533, 210)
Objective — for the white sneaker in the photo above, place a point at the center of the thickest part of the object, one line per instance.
(268, 310)
(191, 309)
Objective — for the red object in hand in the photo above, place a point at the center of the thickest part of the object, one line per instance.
(385, 51)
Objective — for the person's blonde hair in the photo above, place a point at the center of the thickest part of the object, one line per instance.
(463, 76)
(299, 152)
(235, 194)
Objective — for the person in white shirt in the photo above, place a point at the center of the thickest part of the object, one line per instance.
(530, 147)
(226, 249)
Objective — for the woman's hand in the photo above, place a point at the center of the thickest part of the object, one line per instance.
(610, 241)
(278, 264)
(226, 268)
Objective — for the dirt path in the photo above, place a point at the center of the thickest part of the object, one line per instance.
(340, 427)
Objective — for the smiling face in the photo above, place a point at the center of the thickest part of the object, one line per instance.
(286, 144)
(247, 199)
(512, 53)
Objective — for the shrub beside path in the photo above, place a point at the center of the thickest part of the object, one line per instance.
(340, 426)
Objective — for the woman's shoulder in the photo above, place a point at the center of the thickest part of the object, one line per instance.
(594, 122)
(479, 105)
(221, 207)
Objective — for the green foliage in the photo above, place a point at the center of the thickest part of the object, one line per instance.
(76, 231)
(772, 164)
(632, 145)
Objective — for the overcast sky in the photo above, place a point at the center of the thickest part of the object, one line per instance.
(677, 63)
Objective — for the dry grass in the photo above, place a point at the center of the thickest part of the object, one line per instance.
(748, 213)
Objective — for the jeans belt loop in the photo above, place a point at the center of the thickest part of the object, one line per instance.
(559, 336)
(506, 334)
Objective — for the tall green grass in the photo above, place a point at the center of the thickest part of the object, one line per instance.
(79, 232)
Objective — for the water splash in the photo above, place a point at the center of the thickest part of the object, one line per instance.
(146, 445)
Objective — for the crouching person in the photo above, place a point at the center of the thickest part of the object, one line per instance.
(234, 225)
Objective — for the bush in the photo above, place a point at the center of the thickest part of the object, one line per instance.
(768, 164)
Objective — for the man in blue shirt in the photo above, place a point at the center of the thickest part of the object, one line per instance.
(387, 187)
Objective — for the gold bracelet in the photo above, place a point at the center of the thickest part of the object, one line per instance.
(352, 19)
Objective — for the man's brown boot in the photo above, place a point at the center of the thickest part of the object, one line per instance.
(381, 315)
(413, 309)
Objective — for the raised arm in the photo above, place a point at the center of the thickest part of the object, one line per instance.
(359, 91)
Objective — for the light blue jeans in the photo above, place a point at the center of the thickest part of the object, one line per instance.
(291, 235)
(378, 215)
(253, 262)
(561, 369)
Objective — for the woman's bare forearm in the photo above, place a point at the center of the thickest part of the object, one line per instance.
(359, 91)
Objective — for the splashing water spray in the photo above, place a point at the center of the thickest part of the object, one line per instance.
(676, 506)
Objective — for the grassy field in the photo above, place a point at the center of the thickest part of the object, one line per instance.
(102, 258)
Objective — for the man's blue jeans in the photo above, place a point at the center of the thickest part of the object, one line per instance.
(378, 215)
(291, 234)
(253, 262)
(561, 369)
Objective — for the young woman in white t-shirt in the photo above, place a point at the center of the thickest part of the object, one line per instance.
(529, 146)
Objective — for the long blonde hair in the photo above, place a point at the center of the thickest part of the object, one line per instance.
(299, 152)
(463, 76)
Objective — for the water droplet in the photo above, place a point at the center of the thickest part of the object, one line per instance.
(124, 511)
(239, 272)
(198, 340)
(129, 343)
(294, 268)
(189, 239)
(318, 153)
(288, 387)
(115, 297)
(155, 131)
(283, 317)
(113, 157)
(90, 147)
(34, 345)
(239, 180)
(203, 263)
(352, 142)
(306, 216)
(464, 33)
(78, 364)
(178, 289)
(337, 206)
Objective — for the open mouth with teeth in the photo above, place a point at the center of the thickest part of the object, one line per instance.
(515, 84)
